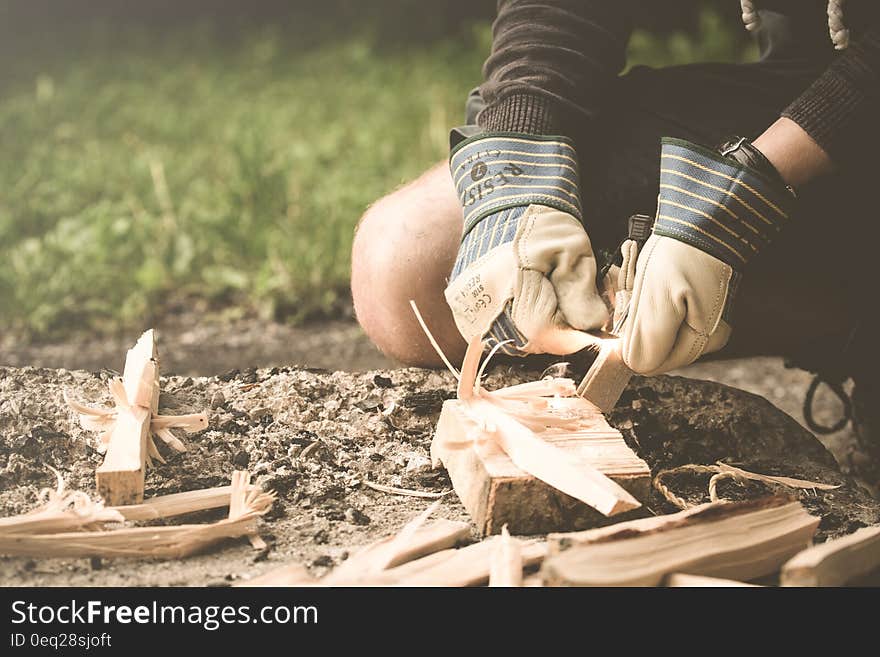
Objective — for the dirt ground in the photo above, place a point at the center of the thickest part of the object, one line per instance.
(265, 418)
(207, 347)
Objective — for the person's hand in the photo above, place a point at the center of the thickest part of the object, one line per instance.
(714, 214)
(525, 270)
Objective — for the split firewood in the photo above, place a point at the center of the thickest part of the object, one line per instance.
(534, 455)
(417, 539)
(246, 505)
(383, 554)
(421, 554)
(838, 562)
(125, 430)
(681, 580)
(506, 568)
(467, 566)
(392, 552)
(731, 540)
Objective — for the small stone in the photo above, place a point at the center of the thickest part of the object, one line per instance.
(258, 413)
(376, 457)
(332, 405)
(231, 426)
(323, 561)
(241, 459)
(417, 463)
(382, 381)
(230, 375)
(321, 537)
(356, 516)
(217, 400)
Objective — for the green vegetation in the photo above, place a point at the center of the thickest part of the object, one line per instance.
(189, 167)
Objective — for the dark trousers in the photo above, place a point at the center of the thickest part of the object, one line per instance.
(804, 296)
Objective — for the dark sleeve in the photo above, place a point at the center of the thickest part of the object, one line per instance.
(551, 63)
(840, 109)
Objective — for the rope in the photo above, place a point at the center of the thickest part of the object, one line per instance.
(718, 475)
(837, 388)
(837, 30)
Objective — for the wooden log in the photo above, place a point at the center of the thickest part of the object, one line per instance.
(120, 478)
(837, 562)
(496, 492)
(740, 541)
(607, 377)
(682, 580)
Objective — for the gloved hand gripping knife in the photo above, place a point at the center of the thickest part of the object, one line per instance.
(714, 215)
(525, 272)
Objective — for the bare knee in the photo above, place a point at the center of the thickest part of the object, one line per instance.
(404, 249)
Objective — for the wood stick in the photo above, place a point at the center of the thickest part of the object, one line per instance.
(360, 567)
(741, 541)
(468, 566)
(837, 562)
(682, 580)
(120, 478)
(176, 504)
(607, 377)
(429, 538)
(506, 568)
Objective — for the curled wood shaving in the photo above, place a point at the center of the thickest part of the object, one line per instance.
(61, 510)
(405, 491)
(102, 420)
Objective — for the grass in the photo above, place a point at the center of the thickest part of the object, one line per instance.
(189, 168)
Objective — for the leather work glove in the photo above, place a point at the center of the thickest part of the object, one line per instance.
(525, 269)
(714, 214)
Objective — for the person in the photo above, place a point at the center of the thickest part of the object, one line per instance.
(758, 176)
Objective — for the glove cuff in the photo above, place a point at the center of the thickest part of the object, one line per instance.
(717, 205)
(496, 171)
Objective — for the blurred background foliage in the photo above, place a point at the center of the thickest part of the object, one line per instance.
(157, 155)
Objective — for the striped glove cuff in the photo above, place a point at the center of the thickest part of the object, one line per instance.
(496, 171)
(717, 205)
